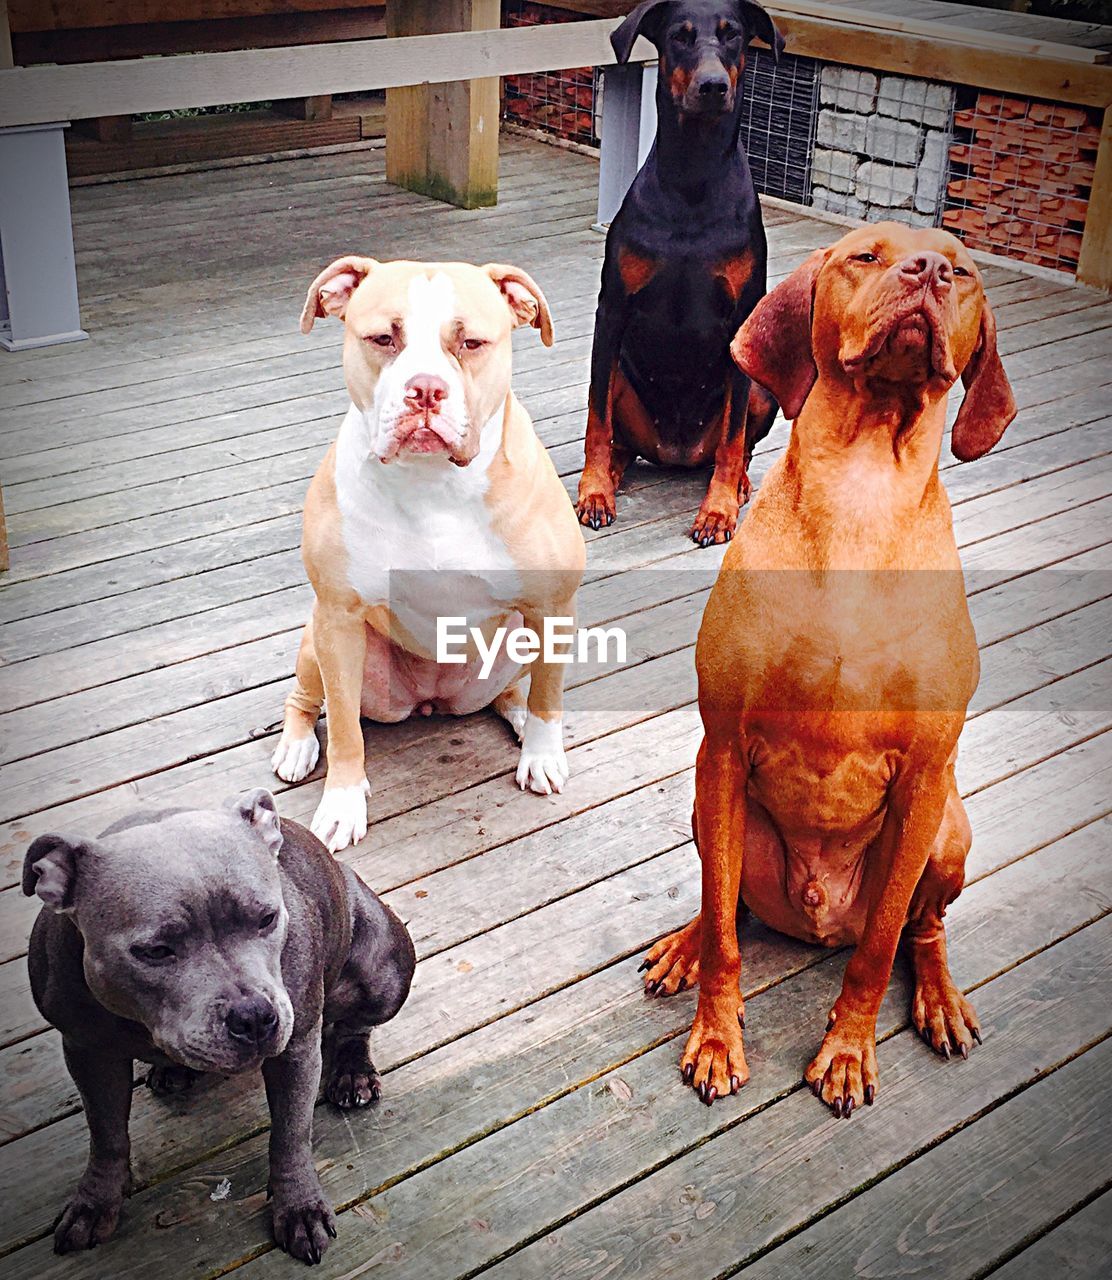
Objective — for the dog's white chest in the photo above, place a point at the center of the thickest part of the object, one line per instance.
(419, 536)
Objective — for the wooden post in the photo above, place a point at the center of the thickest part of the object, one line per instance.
(442, 139)
(1094, 267)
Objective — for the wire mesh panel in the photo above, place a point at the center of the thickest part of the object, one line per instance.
(558, 102)
(881, 146)
(778, 122)
(1020, 177)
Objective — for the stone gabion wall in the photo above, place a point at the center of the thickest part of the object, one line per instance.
(881, 146)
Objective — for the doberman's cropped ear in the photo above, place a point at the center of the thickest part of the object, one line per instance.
(989, 405)
(50, 869)
(773, 346)
(260, 813)
(645, 21)
(331, 291)
(760, 24)
(524, 297)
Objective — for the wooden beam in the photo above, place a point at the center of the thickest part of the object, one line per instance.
(72, 15)
(35, 95)
(1095, 264)
(442, 139)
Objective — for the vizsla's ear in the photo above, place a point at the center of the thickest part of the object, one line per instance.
(773, 346)
(643, 21)
(989, 404)
(524, 297)
(331, 291)
(760, 24)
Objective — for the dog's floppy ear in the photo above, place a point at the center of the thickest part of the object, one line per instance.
(989, 404)
(258, 810)
(50, 869)
(524, 297)
(643, 21)
(331, 291)
(773, 346)
(760, 24)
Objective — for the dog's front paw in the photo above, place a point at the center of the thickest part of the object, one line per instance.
(91, 1216)
(713, 1061)
(302, 1219)
(716, 521)
(542, 766)
(844, 1073)
(341, 816)
(295, 758)
(595, 505)
(168, 1078)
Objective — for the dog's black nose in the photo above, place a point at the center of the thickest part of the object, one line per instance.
(928, 268)
(252, 1020)
(713, 87)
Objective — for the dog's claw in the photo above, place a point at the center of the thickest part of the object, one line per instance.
(870, 1094)
(644, 965)
(965, 1052)
(976, 1035)
(848, 1112)
(735, 1084)
(688, 1073)
(816, 1088)
(837, 1108)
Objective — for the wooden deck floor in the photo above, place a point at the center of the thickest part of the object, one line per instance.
(533, 1122)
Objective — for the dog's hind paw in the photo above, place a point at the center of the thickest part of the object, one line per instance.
(341, 816)
(166, 1079)
(295, 758)
(673, 962)
(595, 509)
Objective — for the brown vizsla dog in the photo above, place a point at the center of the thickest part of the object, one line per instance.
(836, 656)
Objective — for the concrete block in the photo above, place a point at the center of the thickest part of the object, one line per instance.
(836, 170)
(841, 132)
(848, 88)
(837, 202)
(897, 140)
(920, 101)
(931, 175)
(889, 185)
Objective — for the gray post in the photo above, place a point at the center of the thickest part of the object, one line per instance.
(626, 136)
(38, 280)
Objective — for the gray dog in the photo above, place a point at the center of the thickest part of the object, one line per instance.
(211, 941)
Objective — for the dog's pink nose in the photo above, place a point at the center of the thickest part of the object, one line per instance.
(425, 391)
(927, 268)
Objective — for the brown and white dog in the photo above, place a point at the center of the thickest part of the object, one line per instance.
(836, 656)
(437, 499)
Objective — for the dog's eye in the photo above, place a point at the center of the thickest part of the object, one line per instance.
(864, 257)
(157, 954)
(381, 339)
(961, 271)
(473, 344)
(684, 35)
(267, 921)
(727, 31)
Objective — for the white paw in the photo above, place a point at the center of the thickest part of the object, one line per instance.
(542, 767)
(341, 816)
(295, 758)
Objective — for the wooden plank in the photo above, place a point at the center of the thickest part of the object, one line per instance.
(1076, 1249)
(1094, 267)
(32, 95)
(58, 15)
(1024, 1166)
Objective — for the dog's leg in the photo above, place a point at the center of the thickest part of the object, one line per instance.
(372, 988)
(729, 485)
(542, 766)
(511, 706)
(941, 1014)
(341, 645)
(713, 1060)
(844, 1072)
(295, 757)
(595, 504)
(104, 1082)
(301, 1215)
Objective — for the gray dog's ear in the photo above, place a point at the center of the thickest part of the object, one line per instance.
(645, 21)
(258, 810)
(50, 869)
(760, 24)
